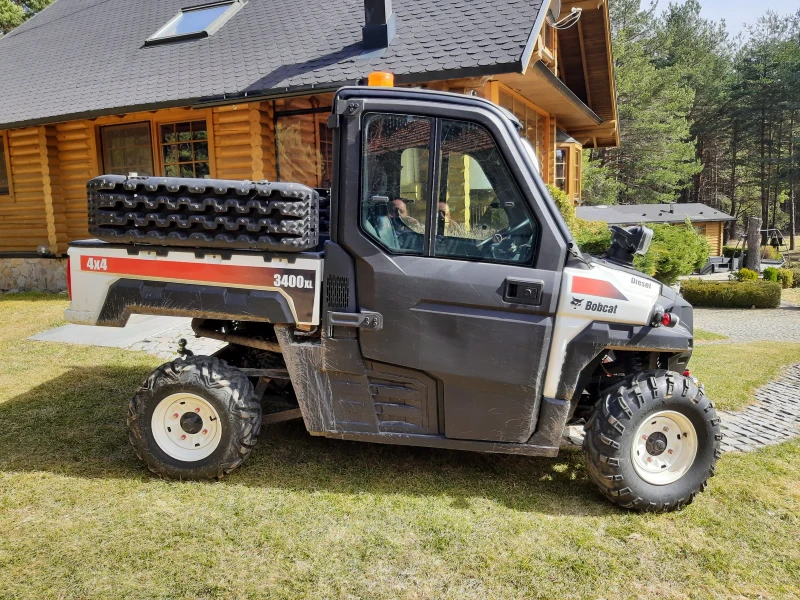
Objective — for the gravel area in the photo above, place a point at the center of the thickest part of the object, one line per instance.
(749, 325)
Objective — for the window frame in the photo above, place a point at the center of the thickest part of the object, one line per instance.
(102, 148)
(433, 185)
(234, 6)
(162, 117)
(7, 196)
(160, 146)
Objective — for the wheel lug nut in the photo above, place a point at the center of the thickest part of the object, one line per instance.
(666, 429)
(205, 431)
(644, 437)
(175, 416)
(197, 410)
(183, 437)
(670, 451)
(649, 459)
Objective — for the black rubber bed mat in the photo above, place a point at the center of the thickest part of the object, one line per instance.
(204, 213)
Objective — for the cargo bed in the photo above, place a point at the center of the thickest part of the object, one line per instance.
(110, 281)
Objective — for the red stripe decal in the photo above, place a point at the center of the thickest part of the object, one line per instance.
(174, 270)
(596, 287)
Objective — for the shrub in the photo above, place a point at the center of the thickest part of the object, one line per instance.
(676, 250)
(731, 294)
(731, 251)
(592, 237)
(786, 278)
(771, 274)
(744, 275)
(770, 253)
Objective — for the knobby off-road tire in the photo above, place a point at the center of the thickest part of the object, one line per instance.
(194, 418)
(630, 435)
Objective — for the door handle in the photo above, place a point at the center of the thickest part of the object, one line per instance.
(523, 291)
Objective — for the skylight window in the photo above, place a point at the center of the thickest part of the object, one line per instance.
(196, 22)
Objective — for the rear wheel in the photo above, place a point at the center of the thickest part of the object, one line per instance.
(194, 418)
(653, 442)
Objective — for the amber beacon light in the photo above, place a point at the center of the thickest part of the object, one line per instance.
(381, 79)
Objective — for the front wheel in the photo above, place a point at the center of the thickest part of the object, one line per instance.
(194, 418)
(653, 442)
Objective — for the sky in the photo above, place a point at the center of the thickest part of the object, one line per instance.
(738, 12)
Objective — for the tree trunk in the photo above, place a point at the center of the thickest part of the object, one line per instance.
(734, 151)
(792, 182)
(754, 244)
(777, 176)
(763, 171)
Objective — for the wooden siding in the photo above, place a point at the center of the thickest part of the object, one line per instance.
(77, 152)
(244, 141)
(713, 234)
(23, 220)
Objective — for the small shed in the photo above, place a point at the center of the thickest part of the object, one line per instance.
(706, 220)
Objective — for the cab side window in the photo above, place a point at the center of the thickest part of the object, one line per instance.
(481, 214)
(395, 186)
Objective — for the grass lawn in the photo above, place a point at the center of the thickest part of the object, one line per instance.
(733, 372)
(314, 518)
(701, 335)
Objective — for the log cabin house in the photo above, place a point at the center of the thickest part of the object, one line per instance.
(241, 89)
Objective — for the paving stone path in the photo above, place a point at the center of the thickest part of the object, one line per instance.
(773, 419)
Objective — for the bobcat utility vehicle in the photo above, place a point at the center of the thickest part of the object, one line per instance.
(433, 297)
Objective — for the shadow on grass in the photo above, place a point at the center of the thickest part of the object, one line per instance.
(75, 425)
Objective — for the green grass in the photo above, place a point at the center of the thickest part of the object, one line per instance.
(733, 372)
(701, 335)
(308, 517)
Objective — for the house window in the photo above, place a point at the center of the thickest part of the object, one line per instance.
(196, 22)
(184, 149)
(534, 125)
(562, 169)
(5, 181)
(305, 148)
(127, 149)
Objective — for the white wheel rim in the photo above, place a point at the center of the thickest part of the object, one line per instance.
(186, 427)
(664, 448)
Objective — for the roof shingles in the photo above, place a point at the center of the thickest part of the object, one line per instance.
(81, 57)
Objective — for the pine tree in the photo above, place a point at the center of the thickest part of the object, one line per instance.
(15, 12)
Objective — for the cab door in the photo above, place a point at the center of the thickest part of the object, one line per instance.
(454, 249)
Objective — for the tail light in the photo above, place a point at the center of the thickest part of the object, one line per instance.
(663, 318)
(69, 278)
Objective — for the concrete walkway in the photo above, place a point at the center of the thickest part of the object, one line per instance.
(155, 335)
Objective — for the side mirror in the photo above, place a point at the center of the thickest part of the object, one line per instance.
(626, 242)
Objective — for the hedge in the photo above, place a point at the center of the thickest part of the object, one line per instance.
(731, 294)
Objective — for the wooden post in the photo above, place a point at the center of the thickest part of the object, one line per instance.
(754, 244)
